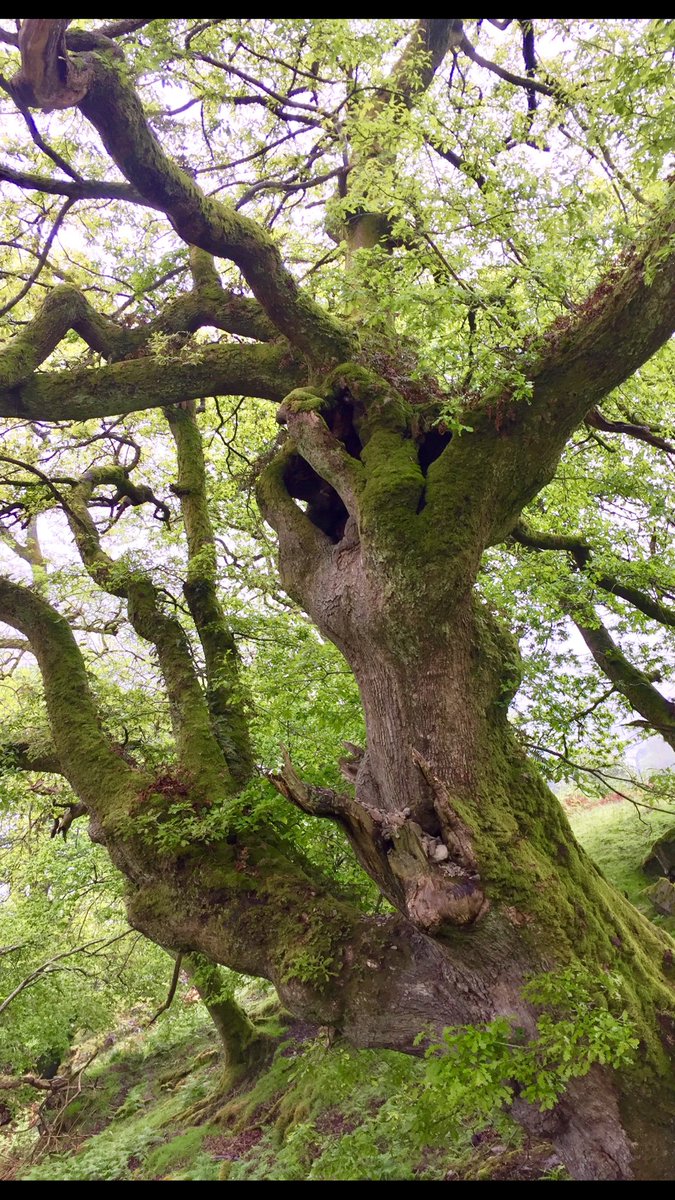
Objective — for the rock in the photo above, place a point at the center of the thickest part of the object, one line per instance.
(662, 896)
(661, 857)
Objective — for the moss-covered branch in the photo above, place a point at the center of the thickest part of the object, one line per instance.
(581, 553)
(66, 308)
(93, 769)
(515, 442)
(224, 692)
(75, 189)
(303, 546)
(100, 84)
(301, 413)
(113, 107)
(634, 684)
(620, 326)
(269, 372)
(196, 745)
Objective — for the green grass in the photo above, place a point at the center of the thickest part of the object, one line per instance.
(618, 837)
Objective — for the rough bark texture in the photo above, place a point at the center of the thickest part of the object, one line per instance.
(241, 1043)
(448, 815)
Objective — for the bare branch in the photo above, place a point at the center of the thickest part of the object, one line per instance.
(44, 254)
(171, 993)
(50, 965)
(643, 433)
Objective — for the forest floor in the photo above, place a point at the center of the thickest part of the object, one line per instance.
(156, 1104)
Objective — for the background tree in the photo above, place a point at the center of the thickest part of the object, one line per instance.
(456, 282)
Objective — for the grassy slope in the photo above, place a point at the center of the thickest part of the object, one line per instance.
(156, 1106)
(618, 837)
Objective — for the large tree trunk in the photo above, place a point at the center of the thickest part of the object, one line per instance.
(476, 854)
(449, 817)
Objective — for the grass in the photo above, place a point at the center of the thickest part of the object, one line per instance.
(618, 837)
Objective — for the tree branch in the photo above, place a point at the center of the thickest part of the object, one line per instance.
(527, 82)
(643, 433)
(171, 993)
(65, 308)
(269, 372)
(628, 317)
(430, 41)
(658, 711)
(303, 548)
(20, 756)
(94, 771)
(317, 801)
(581, 552)
(320, 448)
(80, 189)
(224, 691)
(49, 965)
(197, 747)
(581, 358)
(114, 109)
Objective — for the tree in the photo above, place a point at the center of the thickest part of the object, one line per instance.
(492, 266)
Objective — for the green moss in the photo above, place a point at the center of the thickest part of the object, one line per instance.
(179, 1149)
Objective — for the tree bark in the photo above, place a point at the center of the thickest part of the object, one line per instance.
(448, 815)
(241, 1042)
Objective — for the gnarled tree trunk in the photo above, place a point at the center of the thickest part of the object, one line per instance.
(448, 815)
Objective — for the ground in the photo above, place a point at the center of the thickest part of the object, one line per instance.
(155, 1104)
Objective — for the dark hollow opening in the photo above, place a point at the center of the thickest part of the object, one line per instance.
(431, 447)
(324, 507)
(340, 421)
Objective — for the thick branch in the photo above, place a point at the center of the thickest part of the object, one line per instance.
(20, 756)
(195, 742)
(516, 445)
(83, 189)
(303, 546)
(115, 110)
(320, 448)
(269, 372)
(628, 317)
(430, 41)
(90, 764)
(67, 308)
(316, 801)
(48, 77)
(224, 693)
(658, 711)
(410, 77)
